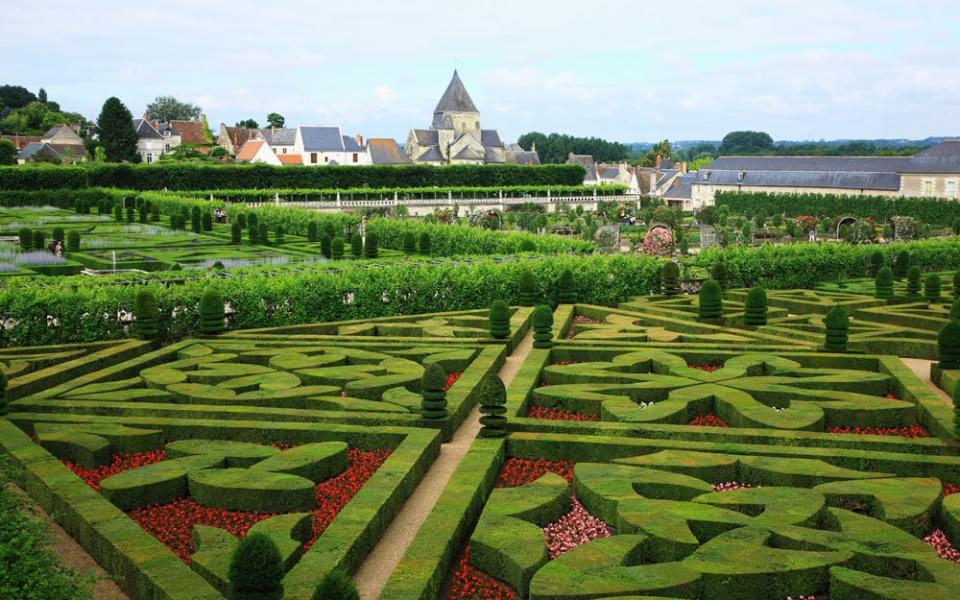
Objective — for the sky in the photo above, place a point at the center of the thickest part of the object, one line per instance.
(625, 71)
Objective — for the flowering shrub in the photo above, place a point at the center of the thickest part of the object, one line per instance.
(470, 583)
(521, 471)
(708, 421)
(658, 242)
(452, 378)
(945, 550)
(121, 463)
(573, 529)
(558, 414)
(908, 431)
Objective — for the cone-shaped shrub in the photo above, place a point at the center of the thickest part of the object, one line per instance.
(253, 221)
(711, 300)
(39, 240)
(181, 223)
(670, 279)
(253, 232)
(26, 239)
(155, 213)
(336, 249)
(956, 284)
(313, 231)
(256, 569)
(493, 400)
(434, 404)
(527, 288)
(263, 233)
(884, 283)
(73, 240)
(542, 327)
(902, 264)
(325, 245)
(58, 235)
(206, 221)
(499, 319)
(913, 282)
(330, 230)
(424, 245)
(278, 233)
(948, 345)
(211, 311)
(147, 313)
(409, 243)
(721, 274)
(335, 585)
(356, 245)
(130, 214)
(932, 287)
(236, 233)
(117, 212)
(566, 292)
(755, 311)
(195, 219)
(370, 248)
(838, 327)
(877, 262)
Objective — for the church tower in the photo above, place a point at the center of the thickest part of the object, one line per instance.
(456, 110)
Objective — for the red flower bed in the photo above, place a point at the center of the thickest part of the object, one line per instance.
(573, 529)
(470, 583)
(558, 414)
(945, 550)
(950, 488)
(731, 486)
(709, 368)
(909, 431)
(121, 463)
(521, 471)
(708, 421)
(452, 378)
(890, 396)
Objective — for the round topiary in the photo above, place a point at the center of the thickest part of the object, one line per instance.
(211, 311)
(527, 245)
(263, 233)
(527, 288)
(902, 264)
(493, 398)
(26, 239)
(424, 244)
(256, 569)
(913, 282)
(356, 245)
(542, 327)
(236, 233)
(409, 243)
(195, 219)
(312, 231)
(877, 262)
(325, 245)
(948, 345)
(335, 585)
(73, 240)
(670, 279)
(721, 274)
(370, 249)
(884, 283)
(147, 313)
(336, 249)
(711, 300)
(755, 311)
(499, 320)
(932, 287)
(58, 235)
(838, 326)
(566, 293)
(432, 384)
(206, 221)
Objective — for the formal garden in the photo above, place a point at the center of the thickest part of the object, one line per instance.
(220, 399)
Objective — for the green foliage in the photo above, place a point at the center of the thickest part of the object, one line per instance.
(263, 233)
(956, 407)
(711, 300)
(275, 120)
(253, 228)
(356, 245)
(8, 153)
(242, 219)
(527, 288)
(432, 384)
(326, 246)
(902, 265)
(527, 245)
(236, 233)
(877, 262)
(195, 220)
(424, 243)
(409, 243)
(211, 311)
(838, 325)
(129, 215)
(913, 281)
(117, 212)
(499, 320)
(670, 279)
(542, 327)
(556, 147)
(932, 287)
(755, 312)
(313, 234)
(336, 248)
(39, 240)
(566, 290)
(168, 108)
(3, 392)
(721, 274)
(884, 283)
(664, 215)
(25, 236)
(335, 585)
(956, 284)
(370, 247)
(73, 240)
(948, 345)
(206, 221)
(117, 135)
(147, 313)
(955, 309)
(493, 398)
(745, 142)
(58, 234)
(256, 569)
(278, 234)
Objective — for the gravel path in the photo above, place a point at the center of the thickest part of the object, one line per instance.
(922, 369)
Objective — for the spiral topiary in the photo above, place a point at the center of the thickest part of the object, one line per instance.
(721, 274)
(211, 311)
(566, 293)
(499, 320)
(313, 234)
(542, 327)
(263, 233)
(73, 240)
(424, 244)
(370, 246)
(432, 384)
(256, 569)
(236, 233)
(325, 245)
(913, 282)
(948, 345)
(335, 585)
(755, 311)
(884, 283)
(527, 288)
(147, 313)
(838, 326)
(409, 243)
(932, 287)
(711, 300)
(877, 262)
(902, 264)
(493, 400)
(356, 245)
(670, 279)
(336, 248)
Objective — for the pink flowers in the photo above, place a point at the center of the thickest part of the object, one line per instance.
(731, 486)
(909, 431)
(658, 242)
(573, 529)
(950, 488)
(945, 550)
(708, 421)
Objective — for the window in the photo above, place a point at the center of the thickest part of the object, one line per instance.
(326, 159)
(149, 158)
(313, 158)
(952, 188)
(355, 157)
(166, 147)
(284, 150)
(928, 187)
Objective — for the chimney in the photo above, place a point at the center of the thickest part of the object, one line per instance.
(146, 116)
(533, 147)
(359, 139)
(659, 161)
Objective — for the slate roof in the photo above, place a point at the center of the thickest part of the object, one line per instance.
(427, 137)
(21, 141)
(681, 188)
(665, 175)
(523, 157)
(61, 150)
(351, 145)
(585, 161)
(238, 136)
(608, 173)
(280, 137)
(165, 127)
(191, 132)
(322, 139)
(469, 153)
(456, 98)
(386, 151)
(492, 156)
(431, 155)
(944, 148)
(933, 164)
(145, 130)
(813, 179)
(490, 137)
(849, 164)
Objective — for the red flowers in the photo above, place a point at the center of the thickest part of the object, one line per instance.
(521, 471)
(890, 396)
(452, 378)
(708, 421)
(121, 463)
(470, 583)
(558, 414)
(709, 368)
(945, 550)
(573, 529)
(731, 486)
(909, 431)
(950, 488)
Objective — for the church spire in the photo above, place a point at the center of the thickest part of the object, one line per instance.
(456, 98)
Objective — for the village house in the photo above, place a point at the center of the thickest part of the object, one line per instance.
(232, 139)
(59, 142)
(151, 144)
(328, 146)
(258, 152)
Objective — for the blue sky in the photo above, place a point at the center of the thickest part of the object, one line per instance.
(629, 71)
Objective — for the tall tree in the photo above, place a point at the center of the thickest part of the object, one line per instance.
(15, 96)
(117, 135)
(168, 108)
(555, 148)
(746, 142)
(275, 120)
(248, 123)
(42, 95)
(661, 149)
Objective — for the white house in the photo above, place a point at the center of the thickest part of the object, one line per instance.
(258, 151)
(151, 145)
(328, 146)
(282, 140)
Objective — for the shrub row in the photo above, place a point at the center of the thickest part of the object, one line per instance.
(453, 240)
(387, 193)
(209, 177)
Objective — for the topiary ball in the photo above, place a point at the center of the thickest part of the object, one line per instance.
(711, 300)
(913, 281)
(527, 288)
(211, 311)
(670, 279)
(499, 319)
(884, 283)
(335, 585)
(948, 345)
(256, 569)
(838, 325)
(566, 293)
(755, 310)
(493, 398)
(932, 287)
(147, 313)
(542, 327)
(432, 384)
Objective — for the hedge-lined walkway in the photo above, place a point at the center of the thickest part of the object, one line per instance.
(922, 369)
(383, 559)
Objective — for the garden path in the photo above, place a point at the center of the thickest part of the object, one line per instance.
(383, 559)
(922, 369)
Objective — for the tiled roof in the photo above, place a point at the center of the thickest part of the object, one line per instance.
(431, 155)
(191, 132)
(522, 157)
(468, 153)
(386, 151)
(682, 188)
(427, 137)
(490, 137)
(864, 164)
(238, 135)
(290, 159)
(944, 148)
(21, 141)
(249, 150)
(351, 145)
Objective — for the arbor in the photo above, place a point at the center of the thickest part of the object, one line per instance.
(168, 108)
(117, 135)
(275, 120)
(746, 142)
(8, 153)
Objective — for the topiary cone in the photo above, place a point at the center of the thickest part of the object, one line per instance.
(711, 300)
(356, 245)
(146, 311)
(424, 244)
(838, 326)
(913, 282)
(542, 327)
(948, 345)
(434, 403)
(370, 247)
(670, 279)
(211, 311)
(499, 320)
(721, 274)
(932, 287)
(335, 585)
(527, 288)
(493, 399)
(256, 569)
(325, 245)
(567, 294)
(877, 262)
(956, 284)
(409, 243)
(902, 264)
(755, 311)
(336, 248)
(884, 283)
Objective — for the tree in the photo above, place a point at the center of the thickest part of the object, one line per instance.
(73, 240)
(248, 124)
(42, 96)
(838, 325)
(256, 569)
(661, 149)
(312, 232)
(168, 108)
(13, 97)
(275, 120)
(556, 147)
(493, 397)
(409, 243)
(913, 282)
(432, 384)
(499, 320)
(335, 585)
(746, 142)
(236, 233)
(117, 135)
(8, 153)
(326, 245)
(948, 345)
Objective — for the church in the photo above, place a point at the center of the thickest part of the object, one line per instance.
(455, 136)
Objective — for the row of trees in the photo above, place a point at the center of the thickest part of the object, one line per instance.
(25, 113)
(555, 148)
